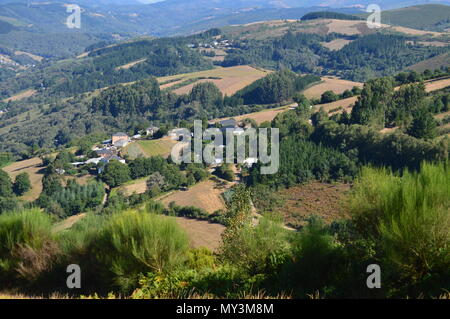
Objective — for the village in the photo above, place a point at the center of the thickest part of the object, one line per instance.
(113, 149)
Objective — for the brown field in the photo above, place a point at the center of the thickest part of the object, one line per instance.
(321, 199)
(134, 187)
(33, 56)
(229, 80)
(260, 117)
(415, 31)
(348, 27)
(334, 84)
(205, 195)
(346, 104)
(336, 44)
(202, 233)
(21, 95)
(32, 167)
(130, 65)
(437, 85)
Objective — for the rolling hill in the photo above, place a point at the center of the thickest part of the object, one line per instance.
(433, 17)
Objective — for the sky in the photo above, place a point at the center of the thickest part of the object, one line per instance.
(150, 1)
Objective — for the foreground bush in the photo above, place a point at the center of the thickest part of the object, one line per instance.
(26, 246)
(409, 216)
(115, 250)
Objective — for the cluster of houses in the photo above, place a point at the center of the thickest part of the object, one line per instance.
(177, 134)
(111, 148)
(216, 44)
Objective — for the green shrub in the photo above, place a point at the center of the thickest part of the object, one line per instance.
(260, 249)
(26, 246)
(409, 216)
(117, 249)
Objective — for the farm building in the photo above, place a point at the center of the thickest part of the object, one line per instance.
(120, 139)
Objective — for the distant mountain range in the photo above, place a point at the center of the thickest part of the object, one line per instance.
(26, 24)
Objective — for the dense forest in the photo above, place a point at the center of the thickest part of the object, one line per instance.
(330, 15)
(366, 57)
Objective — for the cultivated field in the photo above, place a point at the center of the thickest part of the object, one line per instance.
(328, 83)
(138, 186)
(148, 148)
(229, 80)
(261, 116)
(202, 233)
(32, 167)
(437, 85)
(320, 199)
(205, 195)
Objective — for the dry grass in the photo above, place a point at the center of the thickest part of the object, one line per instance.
(437, 85)
(229, 80)
(138, 186)
(205, 195)
(348, 27)
(20, 96)
(260, 117)
(328, 83)
(202, 233)
(148, 148)
(415, 31)
(332, 108)
(442, 115)
(33, 56)
(130, 65)
(336, 44)
(32, 167)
